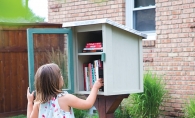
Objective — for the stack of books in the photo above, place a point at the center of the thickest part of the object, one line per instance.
(92, 72)
(93, 47)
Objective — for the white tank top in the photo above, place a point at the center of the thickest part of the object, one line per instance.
(52, 109)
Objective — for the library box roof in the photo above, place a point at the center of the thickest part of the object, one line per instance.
(101, 21)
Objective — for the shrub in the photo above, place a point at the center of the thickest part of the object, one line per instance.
(146, 104)
(189, 109)
(84, 114)
(121, 112)
(80, 113)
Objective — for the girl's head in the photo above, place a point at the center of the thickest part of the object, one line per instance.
(48, 82)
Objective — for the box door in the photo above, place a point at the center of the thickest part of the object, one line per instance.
(51, 45)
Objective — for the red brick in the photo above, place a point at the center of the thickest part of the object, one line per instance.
(176, 30)
(175, 12)
(182, 16)
(188, 20)
(176, 2)
(188, 1)
(191, 10)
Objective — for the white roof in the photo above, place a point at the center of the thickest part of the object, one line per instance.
(99, 21)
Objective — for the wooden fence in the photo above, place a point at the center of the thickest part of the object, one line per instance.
(14, 63)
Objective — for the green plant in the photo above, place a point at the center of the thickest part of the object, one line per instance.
(146, 104)
(189, 109)
(60, 58)
(95, 115)
(19, 116)
(80, 113)
(121, 112)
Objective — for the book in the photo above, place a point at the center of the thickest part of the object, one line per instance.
(93, 46)
(86, 79)
(94, 43)
(101, 73)
(92, 72)
(96, 66)
(92, 50)
(90, 75)
(84, 75)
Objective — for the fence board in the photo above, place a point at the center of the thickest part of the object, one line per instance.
(20, 70)
(25, 79)
(6, 38)
(2, 83)
(13, 81)
(7, 89)
(1, 39)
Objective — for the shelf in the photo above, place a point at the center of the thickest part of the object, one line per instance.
(88, 92)
(90, 53)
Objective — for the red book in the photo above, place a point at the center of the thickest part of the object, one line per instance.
(93, 46)
(96, 43)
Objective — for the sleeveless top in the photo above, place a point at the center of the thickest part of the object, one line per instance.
(52, 109)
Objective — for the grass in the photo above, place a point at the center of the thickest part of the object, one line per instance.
(19, 116)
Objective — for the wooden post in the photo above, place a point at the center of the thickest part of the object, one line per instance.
(106, 105)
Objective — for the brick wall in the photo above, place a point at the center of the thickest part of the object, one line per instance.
(175, 53)
(76, 10)
(172, 54)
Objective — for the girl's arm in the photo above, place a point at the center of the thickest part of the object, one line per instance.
(32, 110)
(78, 103)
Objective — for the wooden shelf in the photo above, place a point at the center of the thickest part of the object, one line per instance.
(87, 92)
(90, 53)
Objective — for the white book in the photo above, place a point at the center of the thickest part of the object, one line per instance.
(87, 79)
(96, 69)
(93, 48)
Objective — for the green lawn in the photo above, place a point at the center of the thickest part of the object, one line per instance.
(20, 116)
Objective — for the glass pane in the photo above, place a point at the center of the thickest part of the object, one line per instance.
(144, 20)
(143, 3)
(51, 48)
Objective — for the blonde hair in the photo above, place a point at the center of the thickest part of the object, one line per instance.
(47, 82)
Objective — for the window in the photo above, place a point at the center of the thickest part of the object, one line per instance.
(140, 15)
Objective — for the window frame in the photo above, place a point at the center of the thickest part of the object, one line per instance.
(129, 8)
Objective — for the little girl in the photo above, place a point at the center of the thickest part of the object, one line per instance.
(51, 101)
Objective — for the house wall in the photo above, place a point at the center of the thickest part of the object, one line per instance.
(75, 10)
(174, 53)
(171, 54)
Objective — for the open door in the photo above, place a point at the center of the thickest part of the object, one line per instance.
(51, 45)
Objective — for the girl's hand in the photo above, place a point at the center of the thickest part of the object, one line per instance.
(30, 96)
(98, 83)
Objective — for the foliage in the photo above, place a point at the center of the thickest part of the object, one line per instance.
(121, 112)
(17, 11)
(60, 58)
(84, 114)
(146, 104)
(189, 109)
(19, 116)
(80, 113)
